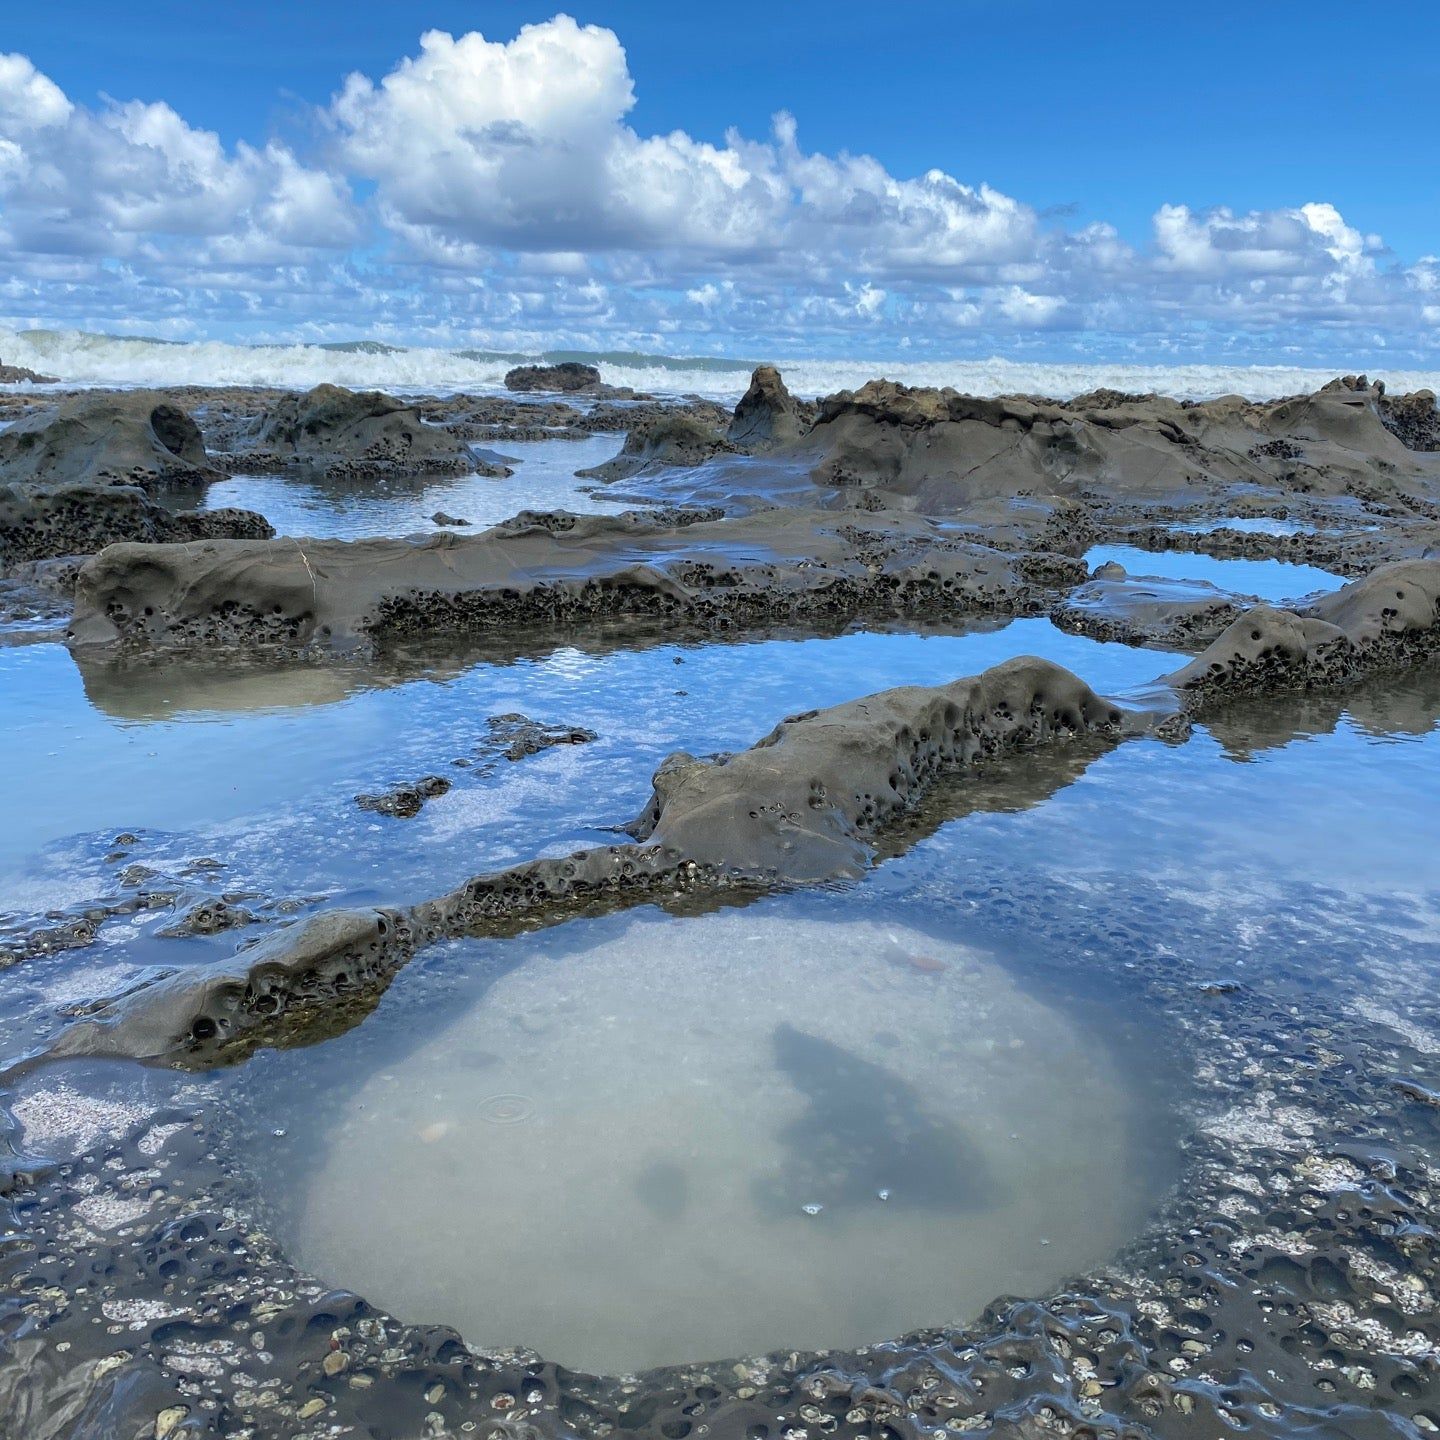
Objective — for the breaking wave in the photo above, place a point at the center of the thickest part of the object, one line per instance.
(86, 359)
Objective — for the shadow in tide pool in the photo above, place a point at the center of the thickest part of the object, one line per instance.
(833, 1126)
(863, 1127)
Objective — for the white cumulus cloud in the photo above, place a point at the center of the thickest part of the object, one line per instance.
(510, 201)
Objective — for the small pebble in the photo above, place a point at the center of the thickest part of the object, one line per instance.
(812, 1208)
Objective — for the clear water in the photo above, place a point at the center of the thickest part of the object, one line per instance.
(1246, 525)
(1270, 580)
(544, 479)
(258, 768)
(602, 1139)
(834, 1128)
(643, 1107)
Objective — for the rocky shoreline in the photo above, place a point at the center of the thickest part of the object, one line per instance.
(886, 503)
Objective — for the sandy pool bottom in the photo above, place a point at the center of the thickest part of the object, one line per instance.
(656, 1141)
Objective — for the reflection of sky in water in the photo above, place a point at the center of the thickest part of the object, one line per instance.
(1246, 525)
(1271, 580)
(543, 480)
(1341, 792)
(262, 771)
(264, 765)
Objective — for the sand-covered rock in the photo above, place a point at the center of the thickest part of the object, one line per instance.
(346, 433)
(107, 438)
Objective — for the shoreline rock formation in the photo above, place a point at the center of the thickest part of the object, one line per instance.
(1388, 620)
(569, 377)
(803, 804)
(137, 437)
(86, 474)
(19, 375)
(345, 434)
(77, 520)
(333, 596)
(909, 498)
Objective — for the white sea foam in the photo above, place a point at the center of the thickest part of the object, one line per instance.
(79, 358)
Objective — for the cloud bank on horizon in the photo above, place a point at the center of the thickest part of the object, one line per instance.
(492, 192)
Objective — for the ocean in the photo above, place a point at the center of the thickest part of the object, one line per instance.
(80, 358)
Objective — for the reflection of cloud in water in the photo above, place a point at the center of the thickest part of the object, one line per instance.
(694, 1092)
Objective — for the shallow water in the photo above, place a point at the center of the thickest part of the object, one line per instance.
(1246, 525)
(544, 479)
(832, 1128)
(1269, 580)
(242, 781)
(263, 764)
(600, 1139)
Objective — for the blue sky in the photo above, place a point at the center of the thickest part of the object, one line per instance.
(1235, 121)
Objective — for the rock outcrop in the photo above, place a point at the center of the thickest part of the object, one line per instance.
(767, 414)
(19, 375)
(352, 434)
(1387, 620)
(107, 438)
(335, 595)
(804, 804)
(671, 442)
(567, 378)
(946, 453)
(43, 523)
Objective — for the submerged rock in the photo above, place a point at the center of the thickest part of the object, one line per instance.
(404, 802)
(131, 437)
(515, 736)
